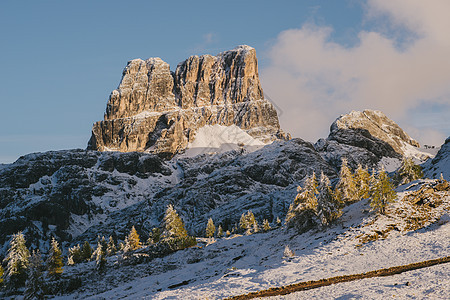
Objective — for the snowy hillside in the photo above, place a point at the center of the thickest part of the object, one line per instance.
(440, 164)
(361, 242)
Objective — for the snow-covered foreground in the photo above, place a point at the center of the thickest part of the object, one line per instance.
(428, 283)
(243, 264)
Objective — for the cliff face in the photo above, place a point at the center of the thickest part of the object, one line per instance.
(158, 111)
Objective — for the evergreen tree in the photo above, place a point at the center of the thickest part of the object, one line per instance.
(17, 260)
(86, 251)
(408, 172)
(278, 221)
(104, 243)
(255, 227)
(1, 275)
(55, 260)
(100, 260)
(247, 223)
(346, 189)
(154, 236)
(111, 247)
(210, 228)
(328, 209)
(382, 191)
(362, 178)
(288, 252)
(35, 282)
(173, 225)
(302, 212)
(75, 255)
(219, 231)
(266, 225)
(132, 241)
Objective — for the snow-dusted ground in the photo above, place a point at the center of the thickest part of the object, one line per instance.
(428, 283)
(243, 264)
(220, 139)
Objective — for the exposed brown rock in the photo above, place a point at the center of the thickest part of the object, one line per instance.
(159, 111)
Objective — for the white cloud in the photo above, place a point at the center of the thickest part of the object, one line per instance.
(314, 80)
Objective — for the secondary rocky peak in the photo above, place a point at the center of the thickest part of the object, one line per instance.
(378, 125)
(160, 111)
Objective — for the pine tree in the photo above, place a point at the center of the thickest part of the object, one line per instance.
(100, 260)
(173, 225)
(86, 251)
(278, 221)
(210, 228)
(408, 172)
(255, 227)
(75, 255)
(1, 274)
(111, 247)
(328, 209)
(247, 223)
(219, 231)
(55, 260)
(346, 189)
(362, 178)
(103, 242)
(132, 241)
(266, 225)
(17, 260)
(35, 282)
(154, 236)
(288, 252)
(302, 212)
(382, 191)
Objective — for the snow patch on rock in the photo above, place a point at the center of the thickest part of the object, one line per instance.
(218, 139)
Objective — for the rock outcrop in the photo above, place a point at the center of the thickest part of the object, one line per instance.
(378, 125)
(158, 111)
(366, 138)
(440, 164)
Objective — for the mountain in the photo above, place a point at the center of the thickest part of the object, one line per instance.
(202, 138)
(160, 111)
(77, 194)
(368, 137)
(440, 164)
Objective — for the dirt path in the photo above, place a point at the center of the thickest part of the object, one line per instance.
(307, 285)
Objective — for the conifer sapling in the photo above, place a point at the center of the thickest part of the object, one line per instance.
(173, 225)
(35, 282)
(210, 228)
(55, 260)
(17, 260)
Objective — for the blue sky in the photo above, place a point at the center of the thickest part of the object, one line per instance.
(61, 59)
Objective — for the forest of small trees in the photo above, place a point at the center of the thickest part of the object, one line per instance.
(317, 204)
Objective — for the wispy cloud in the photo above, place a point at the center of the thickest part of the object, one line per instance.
(314, 79)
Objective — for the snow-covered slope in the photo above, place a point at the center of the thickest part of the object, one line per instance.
(76, 195)
(214, 139)
(440, 164)
(361, 242)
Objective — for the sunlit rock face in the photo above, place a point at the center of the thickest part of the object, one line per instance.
(160, 111)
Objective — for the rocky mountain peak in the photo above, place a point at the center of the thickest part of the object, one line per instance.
(378, 125)
(160, 111)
